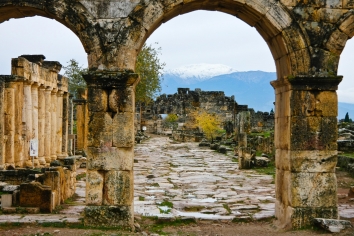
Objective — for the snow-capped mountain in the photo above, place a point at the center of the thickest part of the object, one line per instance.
(199, 72)
(250, 88)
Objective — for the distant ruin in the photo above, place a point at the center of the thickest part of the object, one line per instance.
(214, 102)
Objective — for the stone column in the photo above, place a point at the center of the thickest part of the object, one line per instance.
(9, 126)
(70, 125)
(54, 103)
(27, 119)
(35, 109)
(306, 149)
(2, 121)
(20, 134)
(41, 124)
(110, 152)
(81, 120)
(59, 128)
(65, 111)
(48, 124)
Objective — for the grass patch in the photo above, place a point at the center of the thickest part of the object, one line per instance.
(269, 170)
(167, 204)
(158, 226)
(141, 198)
(155, 185)
(226, 206)
(80, 176)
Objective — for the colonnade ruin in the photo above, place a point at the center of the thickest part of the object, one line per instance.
(34, 105)
(306, 40)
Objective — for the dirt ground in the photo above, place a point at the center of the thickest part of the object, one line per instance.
(202, 228)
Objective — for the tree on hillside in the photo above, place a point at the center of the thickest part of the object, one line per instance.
(73, 71)
(346, 119)
(170, 121)
(149, 67)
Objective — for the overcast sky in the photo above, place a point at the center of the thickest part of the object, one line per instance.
(197, 37)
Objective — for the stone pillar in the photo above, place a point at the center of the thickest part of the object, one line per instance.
(81, 120)
(41, 124)
(65, 114)
(59, 128)
(27, 119)
(2, 121)
(35, 126)
(70, 125)
(9, 126)
(306, 149)
(48, 124)
(20, 134)
(110, 152)
(54, 103)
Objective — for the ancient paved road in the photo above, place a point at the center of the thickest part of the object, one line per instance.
(199, 182)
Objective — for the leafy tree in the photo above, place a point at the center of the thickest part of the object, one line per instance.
(149, 67)
(207, 122)
(74, 73)
(170, 121)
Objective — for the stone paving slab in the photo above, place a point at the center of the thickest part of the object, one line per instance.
(198, 182)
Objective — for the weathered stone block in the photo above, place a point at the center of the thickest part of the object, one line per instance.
(53, 180)
(100, 129)
(282, 133)
(311, 133)
(35, 194)
(97, 100)
(303, 217)
(313, 190)
(110, 158)
(122, 100)
(313, 161)
(118, 188)
(109, 216)
(94, 187)
(6, 200)
(123, 129)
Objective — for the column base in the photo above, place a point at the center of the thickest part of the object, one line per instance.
(302, 217)
(109, 216)
(53, 157)
(41, 160)
(62, 156)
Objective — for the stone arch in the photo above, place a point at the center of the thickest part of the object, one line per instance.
(69, 13)
(286, 40)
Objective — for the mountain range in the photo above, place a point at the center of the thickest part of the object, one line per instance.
(250, 88)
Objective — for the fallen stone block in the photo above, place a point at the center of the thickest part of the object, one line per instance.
(332, 225)
(9, 210)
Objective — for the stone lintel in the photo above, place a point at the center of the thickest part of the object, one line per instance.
(11, 78)
(52, 65)
(306, 82)
(109, 216)
(34, 58)
(111, 79)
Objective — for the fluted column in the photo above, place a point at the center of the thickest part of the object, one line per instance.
(48, 124)
(59, 120)
(35, 127)
(65, 110)
(54, 102)
(70, 125)
(41, 124)
(9, 126)
(27, 118)
(2, 122)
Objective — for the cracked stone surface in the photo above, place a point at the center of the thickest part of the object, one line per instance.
(199, 182)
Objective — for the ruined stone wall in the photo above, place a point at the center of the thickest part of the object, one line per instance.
(34, 107)
(184, 102)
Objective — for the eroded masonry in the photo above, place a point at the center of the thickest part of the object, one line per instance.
(34, 105)
(306, 40)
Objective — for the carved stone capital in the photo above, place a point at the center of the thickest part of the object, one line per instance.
(111, 79)
(308, 83)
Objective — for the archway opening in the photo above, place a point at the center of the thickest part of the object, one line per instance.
(201, 47)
